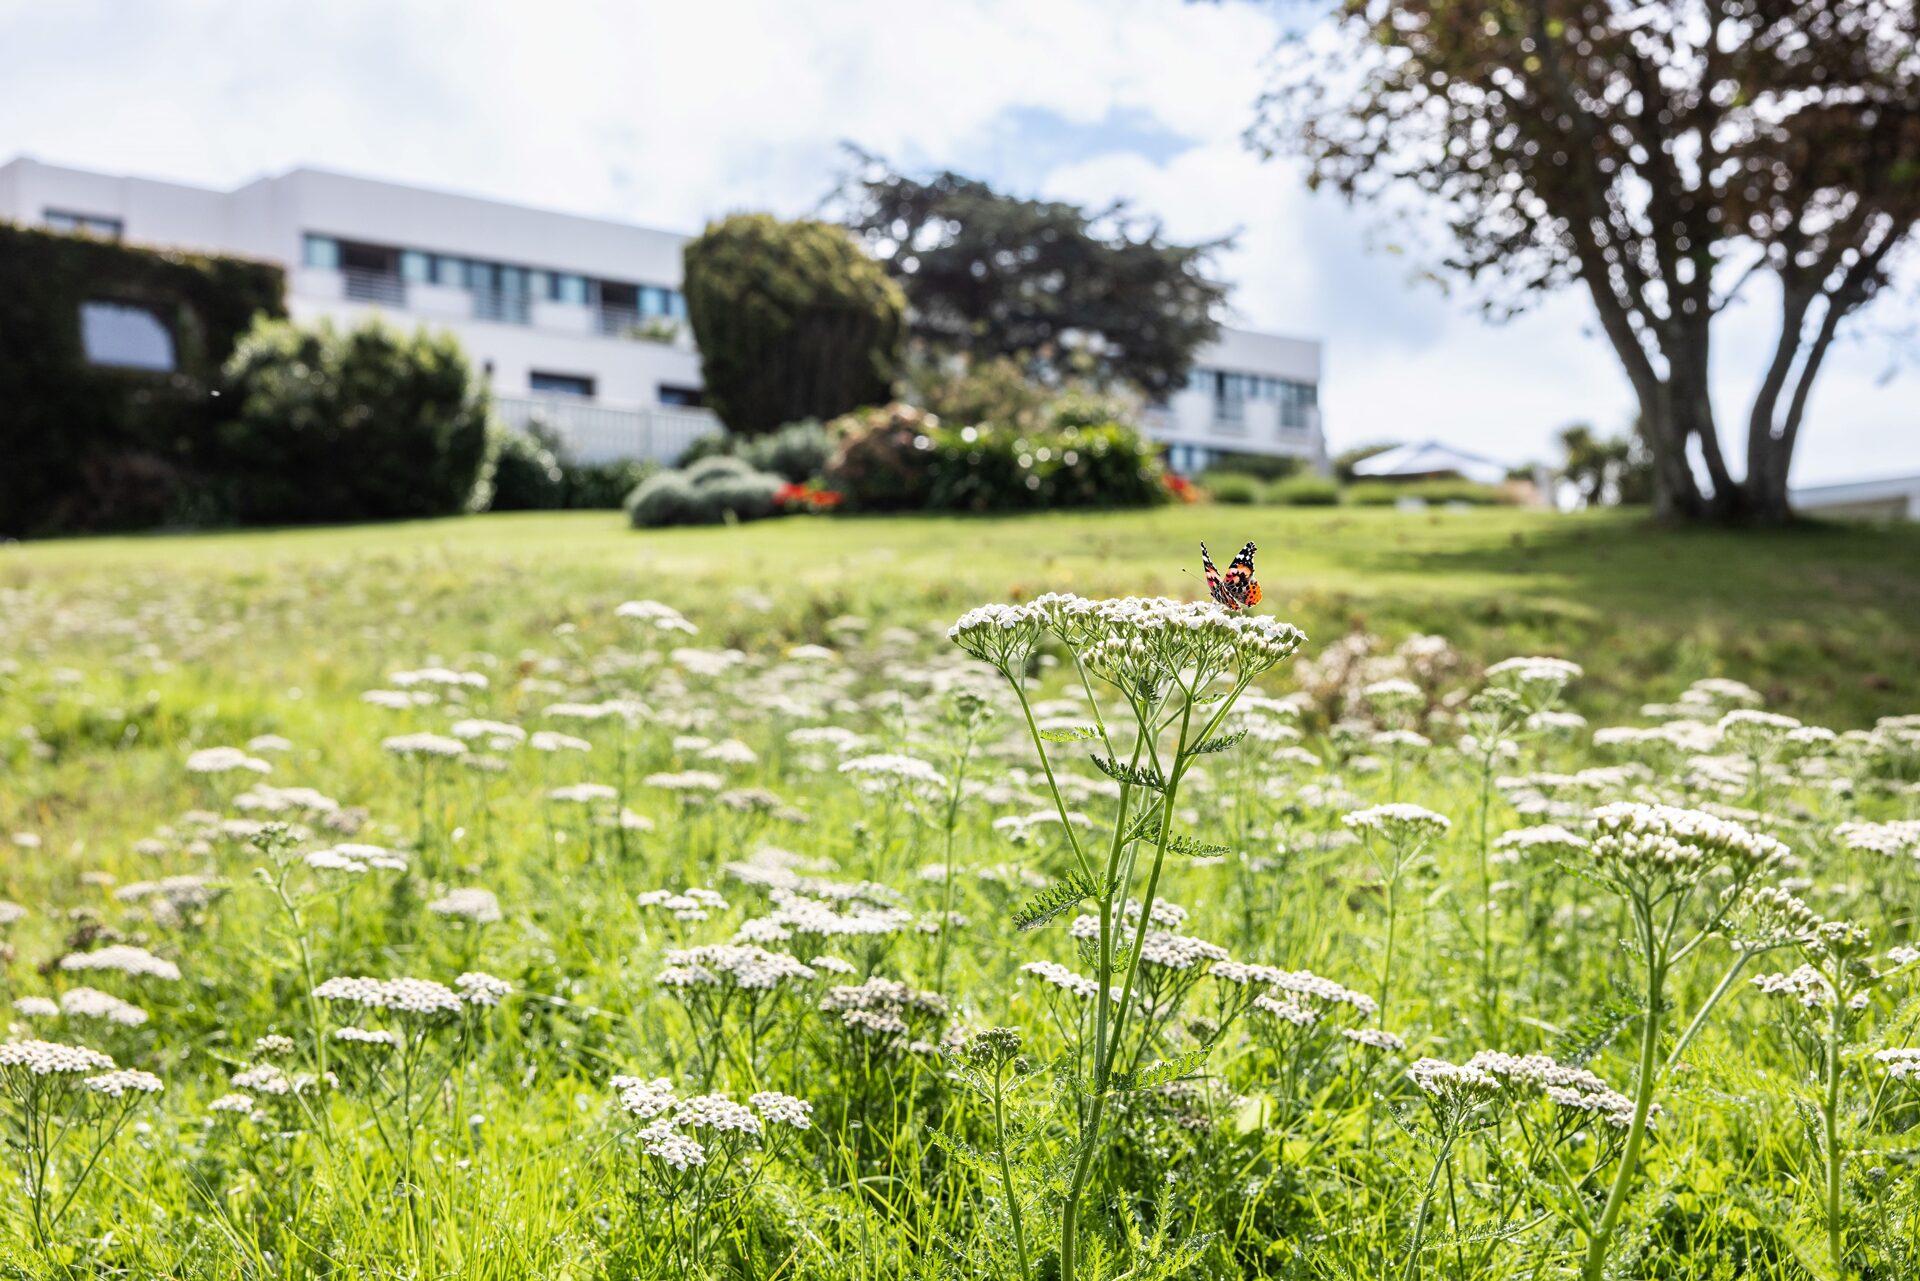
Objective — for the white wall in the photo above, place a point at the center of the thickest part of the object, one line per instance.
(387, 214)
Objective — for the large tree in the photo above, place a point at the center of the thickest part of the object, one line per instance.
(1665, 156)
(1045, 282)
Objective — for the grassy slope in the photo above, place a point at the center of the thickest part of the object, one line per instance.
(1824, 619)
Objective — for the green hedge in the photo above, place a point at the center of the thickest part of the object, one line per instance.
(88, 447)
(1382, 493)
(896, 459)
(368, 423)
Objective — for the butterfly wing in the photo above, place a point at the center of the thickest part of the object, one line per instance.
(1241, 589)
(1214, 583)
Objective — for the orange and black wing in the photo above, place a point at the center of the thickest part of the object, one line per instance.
(1236, 588)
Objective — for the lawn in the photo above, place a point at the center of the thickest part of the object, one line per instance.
(1824, 619)
(442, 919)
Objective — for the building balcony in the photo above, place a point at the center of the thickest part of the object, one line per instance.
(381, 288)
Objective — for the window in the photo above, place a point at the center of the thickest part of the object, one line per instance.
(570, 289)
(416, 268)
(322, 253)
(513, 280)
(688, 396)
(449, 271)
(125, 336)
(85, 224)
(544, 384)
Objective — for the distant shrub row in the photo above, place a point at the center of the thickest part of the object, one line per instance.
(897, 458)
(1319, 491)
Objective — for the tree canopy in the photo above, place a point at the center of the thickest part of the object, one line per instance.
(1048, 283)
(1664, 155)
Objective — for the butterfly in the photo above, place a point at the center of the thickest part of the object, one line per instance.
(1237, 588)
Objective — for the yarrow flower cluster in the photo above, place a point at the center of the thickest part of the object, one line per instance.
(683, 1133)
(421, 999)
(1400, 824)
(1638, 840)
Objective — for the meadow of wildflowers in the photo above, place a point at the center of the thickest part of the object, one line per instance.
(377, 917)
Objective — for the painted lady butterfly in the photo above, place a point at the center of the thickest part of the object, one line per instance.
(1237, 588)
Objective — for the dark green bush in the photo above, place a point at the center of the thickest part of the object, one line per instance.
(86, 447)
(714, 444)
(526, 474)
(793, 321)
(709, 492)
(1232, 487)
(604, 486)
(1304, 491)
(369, 423)
(797, 452)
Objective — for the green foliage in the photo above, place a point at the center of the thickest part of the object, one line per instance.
(797, 452)
(1608, 471)
(604, 486)
(1269, 467)
(526, 474)
(1304, 491)
(884, 462)
(995, 276)
(792, 319)
(532, 471)
(1232, 488)
(369, 423)
(88, 447)
(1054, 902)
(714, 490)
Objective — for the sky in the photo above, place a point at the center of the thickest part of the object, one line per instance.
(668, 114)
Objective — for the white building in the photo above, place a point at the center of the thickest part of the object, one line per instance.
(1886, 498)
(579, 320)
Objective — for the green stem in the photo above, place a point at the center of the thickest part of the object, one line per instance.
(1602, 1235)
(1006, 1173)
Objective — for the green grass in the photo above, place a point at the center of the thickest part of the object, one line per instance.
(1822, 618)
(1288, 1159)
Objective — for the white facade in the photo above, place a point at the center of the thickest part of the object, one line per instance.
(580, 320)
(1883, 498)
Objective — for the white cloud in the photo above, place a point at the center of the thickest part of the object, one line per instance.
(670, 114)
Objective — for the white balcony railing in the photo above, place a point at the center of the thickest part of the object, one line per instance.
(596, 433)
(502, 307)
(380, 287)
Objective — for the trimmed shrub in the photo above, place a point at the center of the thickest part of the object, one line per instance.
(369, 423)
(604, 486)
(91, 446)
(793, 321)
(709, 492)
(884, 461)
(526, 474)
(797, 452)
(714, 444)
(1304, 491)
(1232, 487)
